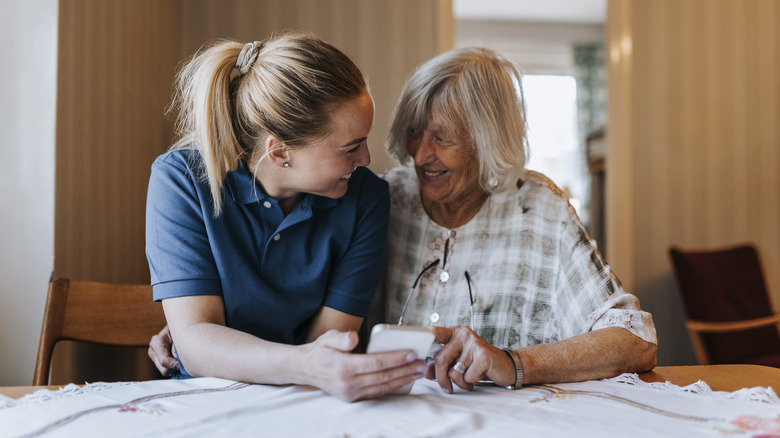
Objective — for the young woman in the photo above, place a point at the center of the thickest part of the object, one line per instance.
(265, 231)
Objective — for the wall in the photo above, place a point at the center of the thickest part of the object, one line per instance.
(536, 48)
(116, 62)
(693, 143)
(28, 49)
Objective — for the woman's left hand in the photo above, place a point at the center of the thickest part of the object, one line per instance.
(482, 361)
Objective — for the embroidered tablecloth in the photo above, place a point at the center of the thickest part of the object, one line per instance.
(624, 406)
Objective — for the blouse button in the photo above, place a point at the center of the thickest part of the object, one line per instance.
(277, 237)
(444, 277)
(451, 233)
(267, 204)
(434, 317)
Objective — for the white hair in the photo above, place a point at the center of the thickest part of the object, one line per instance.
(477, 89)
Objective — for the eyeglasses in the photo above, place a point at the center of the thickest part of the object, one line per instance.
(417, 280)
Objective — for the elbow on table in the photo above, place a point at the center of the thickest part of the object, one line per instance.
(636, 355)
(648, 357)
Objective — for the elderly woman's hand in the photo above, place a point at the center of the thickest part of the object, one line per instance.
(480, 360)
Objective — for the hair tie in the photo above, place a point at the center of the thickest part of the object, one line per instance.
(248, 56)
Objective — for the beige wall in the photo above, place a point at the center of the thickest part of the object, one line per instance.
(116, 63)
(694, 143)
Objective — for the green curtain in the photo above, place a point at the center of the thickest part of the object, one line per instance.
(591, 77)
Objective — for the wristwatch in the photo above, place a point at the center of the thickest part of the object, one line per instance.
(518, 368)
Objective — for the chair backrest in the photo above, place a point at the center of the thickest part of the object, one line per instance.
(100, 313)
(725, 285)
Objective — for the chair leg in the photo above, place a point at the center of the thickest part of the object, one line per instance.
(51, 329)
(698, 348)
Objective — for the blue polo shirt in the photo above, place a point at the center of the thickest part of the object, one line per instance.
(274, 272)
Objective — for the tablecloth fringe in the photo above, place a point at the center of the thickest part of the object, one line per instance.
(756, 394)
(69, 390)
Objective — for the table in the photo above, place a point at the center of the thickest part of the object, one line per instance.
(625, 406)
(718, 377)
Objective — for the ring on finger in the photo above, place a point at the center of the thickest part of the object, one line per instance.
(459, 367)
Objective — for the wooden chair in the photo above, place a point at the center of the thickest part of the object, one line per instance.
(729, 316)
(99, 313)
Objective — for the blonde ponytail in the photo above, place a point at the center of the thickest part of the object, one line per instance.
(203, 101)
(286, 86)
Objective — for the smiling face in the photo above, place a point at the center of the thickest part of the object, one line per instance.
(323, 167)
(446, 163)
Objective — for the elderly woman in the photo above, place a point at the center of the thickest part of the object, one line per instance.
(491, 250)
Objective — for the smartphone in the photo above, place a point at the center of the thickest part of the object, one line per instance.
(388, 337)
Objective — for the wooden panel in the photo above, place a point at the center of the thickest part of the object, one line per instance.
(698, 160)
(116, 62)
(619, 181)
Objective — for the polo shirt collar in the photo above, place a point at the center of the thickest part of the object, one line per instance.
(242, 187)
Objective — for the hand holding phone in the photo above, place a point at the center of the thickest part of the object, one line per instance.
(387, 337)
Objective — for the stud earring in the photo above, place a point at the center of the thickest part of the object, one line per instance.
(286, 164)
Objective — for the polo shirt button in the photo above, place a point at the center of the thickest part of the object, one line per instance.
(267, 204)
(444, 277)
(277, 237)
(434, 317)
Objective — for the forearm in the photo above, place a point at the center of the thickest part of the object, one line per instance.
(593, 355)
(207, 347)
(213, 350)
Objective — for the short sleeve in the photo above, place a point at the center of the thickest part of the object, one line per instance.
(177, 245)
(591, 295)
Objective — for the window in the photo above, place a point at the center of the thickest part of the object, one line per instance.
(553, 136)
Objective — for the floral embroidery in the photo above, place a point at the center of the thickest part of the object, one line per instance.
(547, 396)
(137, 405)
(146, 408)
(751, 422)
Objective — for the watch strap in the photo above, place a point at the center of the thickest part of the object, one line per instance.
(518, 368)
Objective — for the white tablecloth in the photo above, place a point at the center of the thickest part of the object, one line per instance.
(215, 408)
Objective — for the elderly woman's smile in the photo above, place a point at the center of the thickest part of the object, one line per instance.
(431, 176)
